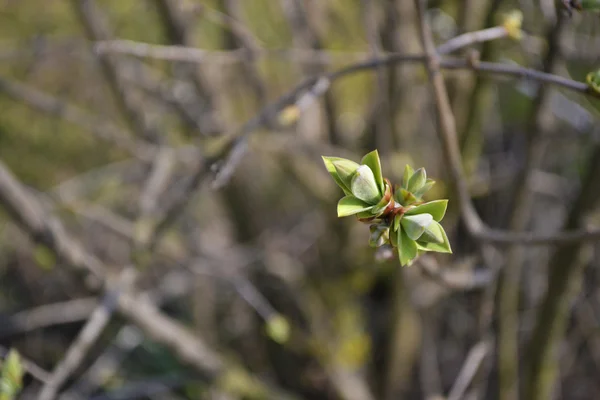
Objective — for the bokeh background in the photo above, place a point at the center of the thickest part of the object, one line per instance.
(113, 136)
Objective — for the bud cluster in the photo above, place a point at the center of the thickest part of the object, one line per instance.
(398, 216)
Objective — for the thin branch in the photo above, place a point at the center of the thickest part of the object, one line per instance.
(469, 369)
(470, 38)
(101, 128)
(190, 54)
(189, 348)
(96, 29)
(32, 368)
(47, 315)
(178, 33)
(88, 335)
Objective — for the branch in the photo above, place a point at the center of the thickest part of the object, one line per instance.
(47, 315)
(96, 29)
(84, 341)
(190, 349)
(98, 126)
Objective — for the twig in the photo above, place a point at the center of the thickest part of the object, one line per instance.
(565, 270)
(454, 279)
(470, 38)
(96, 29)
(179, 53)
(474, 360)
(47, 315)
(178, 33)
(88, 335)
(140, 311)
(32, 368)
(98, 126)
(521, 204)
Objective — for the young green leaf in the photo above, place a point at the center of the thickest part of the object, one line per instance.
(408, 172)
(417, 181)
(443, 247)
(328, 161)
(414, 225)
(404, 197)
(364, 187)
(425, 188)
(436, 208)
(350, 205)
(372, 161)
(433, 233)
(407, 248)
(397, 220)
(346, 169)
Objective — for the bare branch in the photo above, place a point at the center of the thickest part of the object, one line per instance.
(48, 315)
(86, 338)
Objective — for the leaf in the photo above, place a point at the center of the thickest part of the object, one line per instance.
(350, 205)
(414, 225)
(346, 170)
(404, 197)
(278, 328)
(417, 181)
(443, 247)
(408, 172)
(331, 169)
(397, 219)
(372, 161)
(429, 183)
(386, 199)
(407, 248)
(436, 208)
(433, 233)
(364, 187)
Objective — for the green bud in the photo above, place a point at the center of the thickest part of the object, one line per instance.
(364, 186)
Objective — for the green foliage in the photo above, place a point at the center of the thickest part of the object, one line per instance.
(11, 381)
(398, 217)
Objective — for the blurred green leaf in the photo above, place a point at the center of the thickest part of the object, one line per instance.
(278, 328)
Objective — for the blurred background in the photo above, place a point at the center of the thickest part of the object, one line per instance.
(111, 113)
